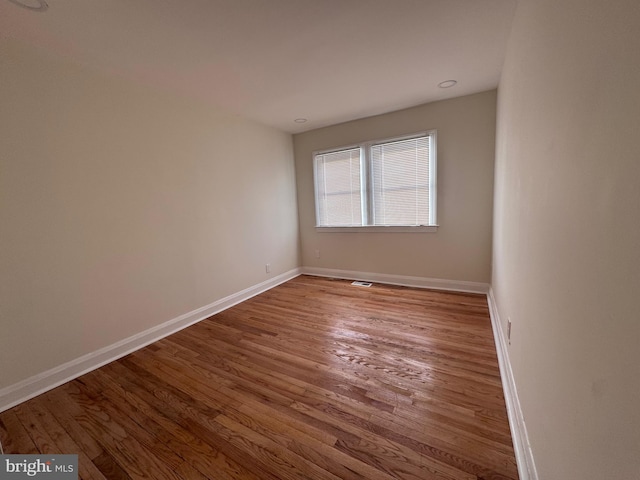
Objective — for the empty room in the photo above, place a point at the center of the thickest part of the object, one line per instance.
(320, 239)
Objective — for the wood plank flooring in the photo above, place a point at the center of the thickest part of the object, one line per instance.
(314, 379)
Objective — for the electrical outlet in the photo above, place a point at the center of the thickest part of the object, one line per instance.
(317, 253)
(267, 268)
(509, 331)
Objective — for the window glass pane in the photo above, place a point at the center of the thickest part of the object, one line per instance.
(400, 182)
(338, 188)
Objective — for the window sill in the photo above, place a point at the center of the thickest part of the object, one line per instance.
(380, 229)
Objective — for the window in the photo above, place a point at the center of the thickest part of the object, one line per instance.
(339, 182)
(389, 183)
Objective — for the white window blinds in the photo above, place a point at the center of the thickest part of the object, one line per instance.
(400, 182)
(339, 188)
(385, 183)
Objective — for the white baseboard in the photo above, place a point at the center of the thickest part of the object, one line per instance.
(524, 454)
(19, 392)
(406, 281)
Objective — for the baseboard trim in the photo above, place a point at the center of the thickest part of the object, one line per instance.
(522, 447)
(31, 387)
(406, 281)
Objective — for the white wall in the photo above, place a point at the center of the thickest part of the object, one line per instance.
(567, 232)
(122, 208)
(461, 249)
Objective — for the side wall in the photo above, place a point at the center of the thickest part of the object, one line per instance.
(567, 232)
(122, 208)
(461, 248)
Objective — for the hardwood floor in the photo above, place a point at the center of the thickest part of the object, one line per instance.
(314, 379)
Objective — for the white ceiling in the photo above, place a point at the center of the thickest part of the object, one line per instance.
(276, 60)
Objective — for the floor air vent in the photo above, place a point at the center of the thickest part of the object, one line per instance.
(361, 284)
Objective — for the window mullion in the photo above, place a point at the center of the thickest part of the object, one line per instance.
(367, 190)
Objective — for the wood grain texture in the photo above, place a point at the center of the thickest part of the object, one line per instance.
(314, 379)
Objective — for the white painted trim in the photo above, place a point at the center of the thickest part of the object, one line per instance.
(379, 229)
(419, 282)
(522, 447)
(24, 390)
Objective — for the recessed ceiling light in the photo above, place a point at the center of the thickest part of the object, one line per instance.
(300, 120)
(35, 5)
(447, 84)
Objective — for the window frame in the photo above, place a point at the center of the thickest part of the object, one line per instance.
(366, 186)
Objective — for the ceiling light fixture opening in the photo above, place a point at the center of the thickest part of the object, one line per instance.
(35, 5)
(447, 83)
(300, 120)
